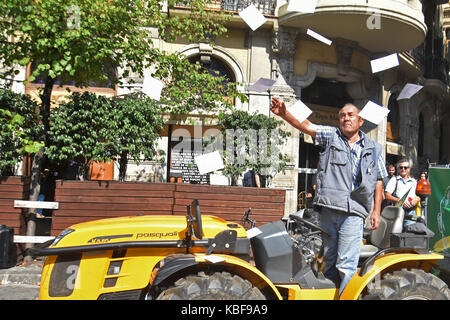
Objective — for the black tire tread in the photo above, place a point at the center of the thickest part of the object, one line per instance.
(217, 286)
(408, 284)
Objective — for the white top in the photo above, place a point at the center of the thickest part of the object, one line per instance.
(402, 187)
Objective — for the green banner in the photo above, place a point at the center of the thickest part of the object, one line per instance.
(438, 213)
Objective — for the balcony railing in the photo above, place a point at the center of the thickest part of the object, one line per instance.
(267, 7)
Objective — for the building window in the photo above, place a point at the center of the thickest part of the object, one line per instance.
(214, 66)
(393, 119)
(109, 71)
(326, 93)
(421, 136)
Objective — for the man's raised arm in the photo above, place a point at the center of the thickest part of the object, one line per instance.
(279, 108)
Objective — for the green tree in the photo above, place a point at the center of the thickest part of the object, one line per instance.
(18, 129)
(251, 141)
(78, 131)
(90, 128)
(134, 127)
(76, 39)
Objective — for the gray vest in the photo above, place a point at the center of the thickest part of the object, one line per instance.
(334, 176)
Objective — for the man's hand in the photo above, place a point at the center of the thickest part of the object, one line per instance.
(278, 107)
(375, 219)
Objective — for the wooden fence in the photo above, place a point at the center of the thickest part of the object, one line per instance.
(13, 188)
(81, 201)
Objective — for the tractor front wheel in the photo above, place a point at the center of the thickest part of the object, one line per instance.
(406, 284)
(217, 286)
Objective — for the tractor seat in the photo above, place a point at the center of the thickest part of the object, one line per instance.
(391, 221)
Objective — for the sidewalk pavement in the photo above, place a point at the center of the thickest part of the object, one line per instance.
(29, 274)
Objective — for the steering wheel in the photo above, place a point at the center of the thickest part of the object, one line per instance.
(197, 219)
(308, 224)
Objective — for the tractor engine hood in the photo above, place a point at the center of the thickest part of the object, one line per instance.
(138, 231)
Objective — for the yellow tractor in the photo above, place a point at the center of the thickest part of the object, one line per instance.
(204, 257)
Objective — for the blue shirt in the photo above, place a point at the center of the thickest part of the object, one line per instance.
(323, 137)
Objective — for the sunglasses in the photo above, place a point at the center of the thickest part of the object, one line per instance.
(403, 168)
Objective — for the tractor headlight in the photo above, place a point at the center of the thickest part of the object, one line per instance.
(64, 233)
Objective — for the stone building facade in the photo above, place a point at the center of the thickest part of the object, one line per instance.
(327, 76)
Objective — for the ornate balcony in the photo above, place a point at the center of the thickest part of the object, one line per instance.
(267, 7)
(376, 25)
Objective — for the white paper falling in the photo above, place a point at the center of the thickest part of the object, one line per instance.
(152, 87)
(373, 112)
(319, 37)
(209, 162)
(409, 90)
(384, 63)
(253, 17)
(305, 6)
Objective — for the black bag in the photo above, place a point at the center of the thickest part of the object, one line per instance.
(7, 247)
(249, 179)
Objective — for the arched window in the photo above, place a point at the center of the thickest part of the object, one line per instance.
(214, 66)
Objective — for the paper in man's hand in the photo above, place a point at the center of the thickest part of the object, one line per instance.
(300, 111)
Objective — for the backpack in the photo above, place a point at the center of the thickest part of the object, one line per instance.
(249, 179)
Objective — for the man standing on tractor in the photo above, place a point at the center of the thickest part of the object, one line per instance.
(349, 187)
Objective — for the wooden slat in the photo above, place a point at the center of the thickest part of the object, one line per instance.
(114, 185)
(115, 193)
(11, 188)
(112, 206)
(92, 198)
(229, 197)
(35, 204)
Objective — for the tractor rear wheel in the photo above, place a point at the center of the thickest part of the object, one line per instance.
(217, 286)
(406, 284)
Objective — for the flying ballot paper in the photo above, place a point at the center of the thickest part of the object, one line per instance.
(209, 162)
(253, 17)
(305, 6)
(261, 85)
(384, 63)
(373, 112)
(152, 87)
(319, 37)
(300, 111)
(409, 90)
